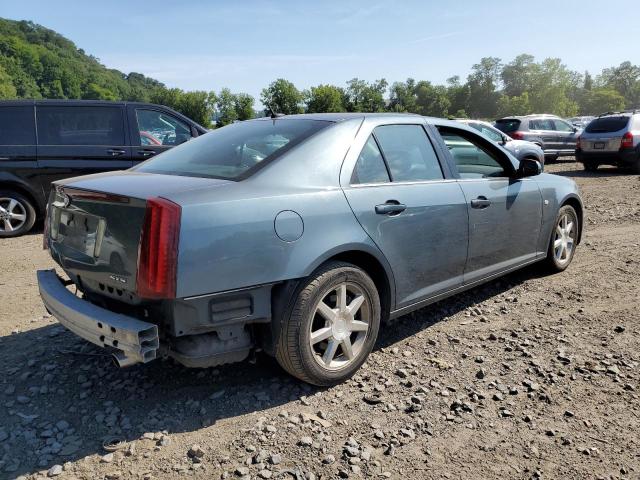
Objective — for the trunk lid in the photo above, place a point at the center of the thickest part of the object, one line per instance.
(95, 225)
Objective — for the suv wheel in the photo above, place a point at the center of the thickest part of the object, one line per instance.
(564, 237)
(17, 214)
(590, 166)
(551, 159)
(332, 325)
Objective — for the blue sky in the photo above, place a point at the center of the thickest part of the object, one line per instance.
(244, 45)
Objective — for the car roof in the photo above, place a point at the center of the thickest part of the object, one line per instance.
(31, 101)
(532, 115)
(624, 113)
(343, 116)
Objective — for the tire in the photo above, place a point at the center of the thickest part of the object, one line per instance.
(635, 168)
(551, 159)
(558, 263)
(590, 166)
(304, 356)
(17, 214)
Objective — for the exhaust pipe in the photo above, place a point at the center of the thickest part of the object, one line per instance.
(122, 360)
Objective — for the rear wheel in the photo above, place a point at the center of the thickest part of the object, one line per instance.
(564, 238)
(551, 159)
(17, 214)
(590, 166)
(332, 325)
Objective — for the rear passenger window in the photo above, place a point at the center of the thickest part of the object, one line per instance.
(80, 125)
(562, 126)
(17, 126)
(408, 153)
(370, 167)
(541, 125)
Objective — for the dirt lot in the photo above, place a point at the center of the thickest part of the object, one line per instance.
(530, 376)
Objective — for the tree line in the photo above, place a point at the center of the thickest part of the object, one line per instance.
(36, 62)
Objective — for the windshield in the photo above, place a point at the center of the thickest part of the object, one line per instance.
(508, 125)
(607, 124)
(234, 152)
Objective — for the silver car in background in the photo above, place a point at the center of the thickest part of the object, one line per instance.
(611, 139)
(518, 148)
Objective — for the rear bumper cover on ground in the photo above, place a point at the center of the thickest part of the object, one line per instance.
(136, 341)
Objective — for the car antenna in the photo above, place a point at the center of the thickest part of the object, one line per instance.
(272, 112)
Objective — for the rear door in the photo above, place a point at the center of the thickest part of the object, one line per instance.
(154, 130)
(544, 129)
(18, 147)
(78, 140)
(505, 212)
(416, 216)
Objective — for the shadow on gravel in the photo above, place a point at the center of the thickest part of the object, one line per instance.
(61, 396)
(601, 172)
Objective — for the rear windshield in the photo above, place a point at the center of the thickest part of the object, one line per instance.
(607, 124)
(234, 152)
(508, 125)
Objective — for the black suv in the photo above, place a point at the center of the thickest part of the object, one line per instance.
(46, 140)
(556, 136)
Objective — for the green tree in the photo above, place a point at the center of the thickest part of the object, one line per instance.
(402, 96)
(518, 75)
(197, 105)
(483, 83)
(431, 100)
(96, 92)
(226, 109)
(361, 96)
(600, 100)
(7, 90)
(458, 96)
(625, 79)
(324, 98)
(243, 103)
(283, 97)
(517, 105)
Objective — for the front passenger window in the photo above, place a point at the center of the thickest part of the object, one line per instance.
(471, 158)
(157, 128)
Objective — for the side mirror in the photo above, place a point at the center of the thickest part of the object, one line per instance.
(529, 168)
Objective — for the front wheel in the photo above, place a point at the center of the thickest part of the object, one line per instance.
(332, 325)
(17, 214)
(564, 238)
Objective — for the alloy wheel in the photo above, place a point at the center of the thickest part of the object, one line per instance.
(339, 326)
(564, 239)
(13, 214)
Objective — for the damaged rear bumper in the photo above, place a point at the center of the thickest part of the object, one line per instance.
(135, 341)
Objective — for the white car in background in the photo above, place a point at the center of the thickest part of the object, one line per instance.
(518, 148)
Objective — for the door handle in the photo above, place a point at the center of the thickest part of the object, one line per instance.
(146, 153)
(114, 152)
(480, 202)
(392, 207)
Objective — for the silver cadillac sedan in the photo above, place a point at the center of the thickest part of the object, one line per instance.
(296, 235)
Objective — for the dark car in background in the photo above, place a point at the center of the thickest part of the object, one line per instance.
(42, 141)
(556, 136)
(611, 139)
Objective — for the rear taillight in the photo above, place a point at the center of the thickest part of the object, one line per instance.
(627, 140)
(578, 146)
(516, 135)
(158, 251)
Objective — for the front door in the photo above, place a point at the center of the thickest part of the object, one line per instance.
(505, 212)
(567, 136)
(417, 218)
(154, 131)
(78, 140)
(544, 129)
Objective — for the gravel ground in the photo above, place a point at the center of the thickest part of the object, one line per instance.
(531, 376)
